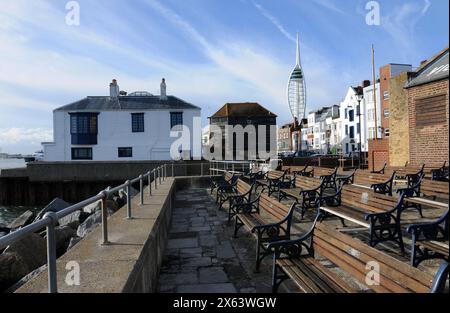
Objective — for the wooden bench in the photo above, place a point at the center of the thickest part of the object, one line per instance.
(379, 213)
(239, 195)
(429, 240)
(267, 219)
(217, 181)
(274, 180)
(307, 192)
(228, 186)
(376, 271)
(380, 183)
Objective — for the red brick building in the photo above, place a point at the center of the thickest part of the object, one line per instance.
(428, 111)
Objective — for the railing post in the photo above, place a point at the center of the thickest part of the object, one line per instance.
(159, 174)
(149, 183)
(104, 194)
(163, 172)
(141, 187)
(128, 183)
(156, 181)
(173, 173)
(51, 253)
(201, 169)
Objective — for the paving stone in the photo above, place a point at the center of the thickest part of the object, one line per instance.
(195, 262)
(208, 240)
(200, 228)
(209, 251)
(197, 220)
(178, 278)
(182, 243)
(191, 253)
(225, 251)
(212, 275)
(207, 288)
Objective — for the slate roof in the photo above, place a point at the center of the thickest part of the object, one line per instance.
(104, 103)
(243, 110)
(433, 70)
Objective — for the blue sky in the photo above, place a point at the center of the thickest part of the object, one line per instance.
(210, 52)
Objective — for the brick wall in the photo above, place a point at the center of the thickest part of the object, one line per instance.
(398, 121)
(378, 153)
(428, 144)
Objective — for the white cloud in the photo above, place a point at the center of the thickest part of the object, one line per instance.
(274, 21)
(32, 136)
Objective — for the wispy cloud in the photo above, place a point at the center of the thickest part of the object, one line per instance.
(274, 21)
(400, 23)
(330, 5)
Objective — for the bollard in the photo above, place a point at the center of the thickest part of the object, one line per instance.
(51, 253)
(104, 194)
(149, 177)
(141, 187)
(128, 199)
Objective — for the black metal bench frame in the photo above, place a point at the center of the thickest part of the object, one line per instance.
(432, 231)
(266, 233)
(383, 226)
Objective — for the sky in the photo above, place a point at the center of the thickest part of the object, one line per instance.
(210, 51)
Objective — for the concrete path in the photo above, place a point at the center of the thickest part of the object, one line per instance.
(202, 256)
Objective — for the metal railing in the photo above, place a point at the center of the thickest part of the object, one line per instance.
(219, 167)
(50, 219)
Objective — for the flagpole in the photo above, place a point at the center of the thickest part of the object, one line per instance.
(374, 92)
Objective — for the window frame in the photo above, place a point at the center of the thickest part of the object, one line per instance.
(135, 124)
(90, 156)
(175, 118)
(121, 149)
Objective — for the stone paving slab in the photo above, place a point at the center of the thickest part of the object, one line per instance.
(202, 255)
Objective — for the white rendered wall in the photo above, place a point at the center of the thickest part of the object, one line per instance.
(114, 131)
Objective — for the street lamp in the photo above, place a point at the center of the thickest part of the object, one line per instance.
(359, 98)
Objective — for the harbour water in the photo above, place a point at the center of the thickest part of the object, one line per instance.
(8, 214)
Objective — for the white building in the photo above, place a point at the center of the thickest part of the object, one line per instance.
(349, 114)
(122, 127)
(369, 111)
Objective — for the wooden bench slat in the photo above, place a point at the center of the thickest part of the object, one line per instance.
(401, 267)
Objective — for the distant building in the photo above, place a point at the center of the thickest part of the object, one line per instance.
(350, 127)
(369, 111)
(285, 138)
(244, 114)
(120, 127)
(428, 111)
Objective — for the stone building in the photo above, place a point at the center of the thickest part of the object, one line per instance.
(233, 116)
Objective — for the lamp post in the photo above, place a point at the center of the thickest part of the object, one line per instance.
(359, 98)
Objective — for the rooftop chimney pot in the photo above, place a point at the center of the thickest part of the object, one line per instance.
(163, 89)
(114, 89)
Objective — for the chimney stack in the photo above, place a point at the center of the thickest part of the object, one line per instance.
(114, 89)
(163, 89)
(366, 83)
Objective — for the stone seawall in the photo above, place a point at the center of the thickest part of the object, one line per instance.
(131, 262)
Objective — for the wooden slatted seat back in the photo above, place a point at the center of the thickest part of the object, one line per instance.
(242, 187)
(272, 209)
(307, 183)
(323, 171)
(274, 174)
(228, 176)
(434, 188)
(365, 199)
(363, 262)
(365, 177)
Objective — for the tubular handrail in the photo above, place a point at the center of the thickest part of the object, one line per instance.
(50, 219)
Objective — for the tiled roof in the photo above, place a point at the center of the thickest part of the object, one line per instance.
(104, 103)
(243, 110)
